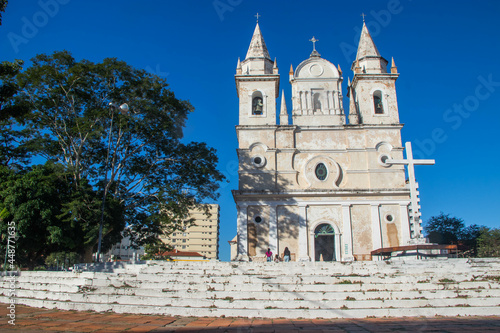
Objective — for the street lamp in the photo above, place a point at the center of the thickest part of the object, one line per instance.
(123, 109)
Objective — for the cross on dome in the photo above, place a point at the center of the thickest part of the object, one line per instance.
(314, 40)
(314, 53)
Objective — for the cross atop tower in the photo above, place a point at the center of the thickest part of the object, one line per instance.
(314, 40)
(257, 16)
(363, 14)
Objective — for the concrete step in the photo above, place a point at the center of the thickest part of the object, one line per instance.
(116, 287)
(307, 300)
(134, 280)
(263, 312)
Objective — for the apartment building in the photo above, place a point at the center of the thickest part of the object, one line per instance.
(201, 237)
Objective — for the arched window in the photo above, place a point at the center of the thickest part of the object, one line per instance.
(317, 102)
(377, 102)
(257, 103)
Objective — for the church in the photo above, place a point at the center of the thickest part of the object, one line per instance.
(329, 186)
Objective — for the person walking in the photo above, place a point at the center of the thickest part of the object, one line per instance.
(269, 255)
(286, 254)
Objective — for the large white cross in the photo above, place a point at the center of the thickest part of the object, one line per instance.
(410, 162)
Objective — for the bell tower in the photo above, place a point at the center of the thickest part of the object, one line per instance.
(257, 84)
(373, 88)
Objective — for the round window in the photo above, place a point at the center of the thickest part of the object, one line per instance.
(321, 171)
(389, 218)
(382, 159)
(258, 161)
(258, 219)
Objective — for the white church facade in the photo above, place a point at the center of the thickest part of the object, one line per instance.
(330, 187)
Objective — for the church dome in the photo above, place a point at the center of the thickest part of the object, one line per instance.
(316, 68)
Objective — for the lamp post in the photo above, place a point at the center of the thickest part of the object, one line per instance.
(123, 108)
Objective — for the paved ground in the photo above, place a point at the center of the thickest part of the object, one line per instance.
(43, 320)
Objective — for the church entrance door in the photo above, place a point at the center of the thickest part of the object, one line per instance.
(324, 243)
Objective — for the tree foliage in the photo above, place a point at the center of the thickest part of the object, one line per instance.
(62, 259)
(134, 158)
(489, 242)
(445, 229)
(3, 5)
(49, 214)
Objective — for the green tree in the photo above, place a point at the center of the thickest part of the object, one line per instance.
(62, 259)
(12, 138)
(49, 215)
(134, 157)
(489, 242)
(3, 5)
(443, 229)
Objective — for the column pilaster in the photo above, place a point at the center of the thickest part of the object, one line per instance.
(376, 232)
(346, 221)
(273, 228)
(303, 241)
(405, 225)
(242, 222)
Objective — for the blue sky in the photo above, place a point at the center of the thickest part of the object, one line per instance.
(446, 53)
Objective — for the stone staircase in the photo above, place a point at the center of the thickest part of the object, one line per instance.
(448, 287)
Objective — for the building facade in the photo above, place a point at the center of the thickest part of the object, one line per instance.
(201, 237)
(123, 251)
(322, 184)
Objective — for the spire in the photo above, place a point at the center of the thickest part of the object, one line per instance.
(394, 69)
(283, 104)
(340, 69)
(353, 112)
(368, 59)
(238, 67)
(283, 111)
(275, 67)
(291, 69)
(366, 45)
(257, 48)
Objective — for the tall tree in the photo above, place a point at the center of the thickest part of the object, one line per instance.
(489, 242)
(12, 138)
(443, 229)
(133, 154)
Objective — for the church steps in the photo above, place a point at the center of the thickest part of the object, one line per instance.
(291, 290)
(133, 296)
(263, 312)
(439, 282)
(193, 294)
(301, 301)
(258, 283)
(118, 287)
